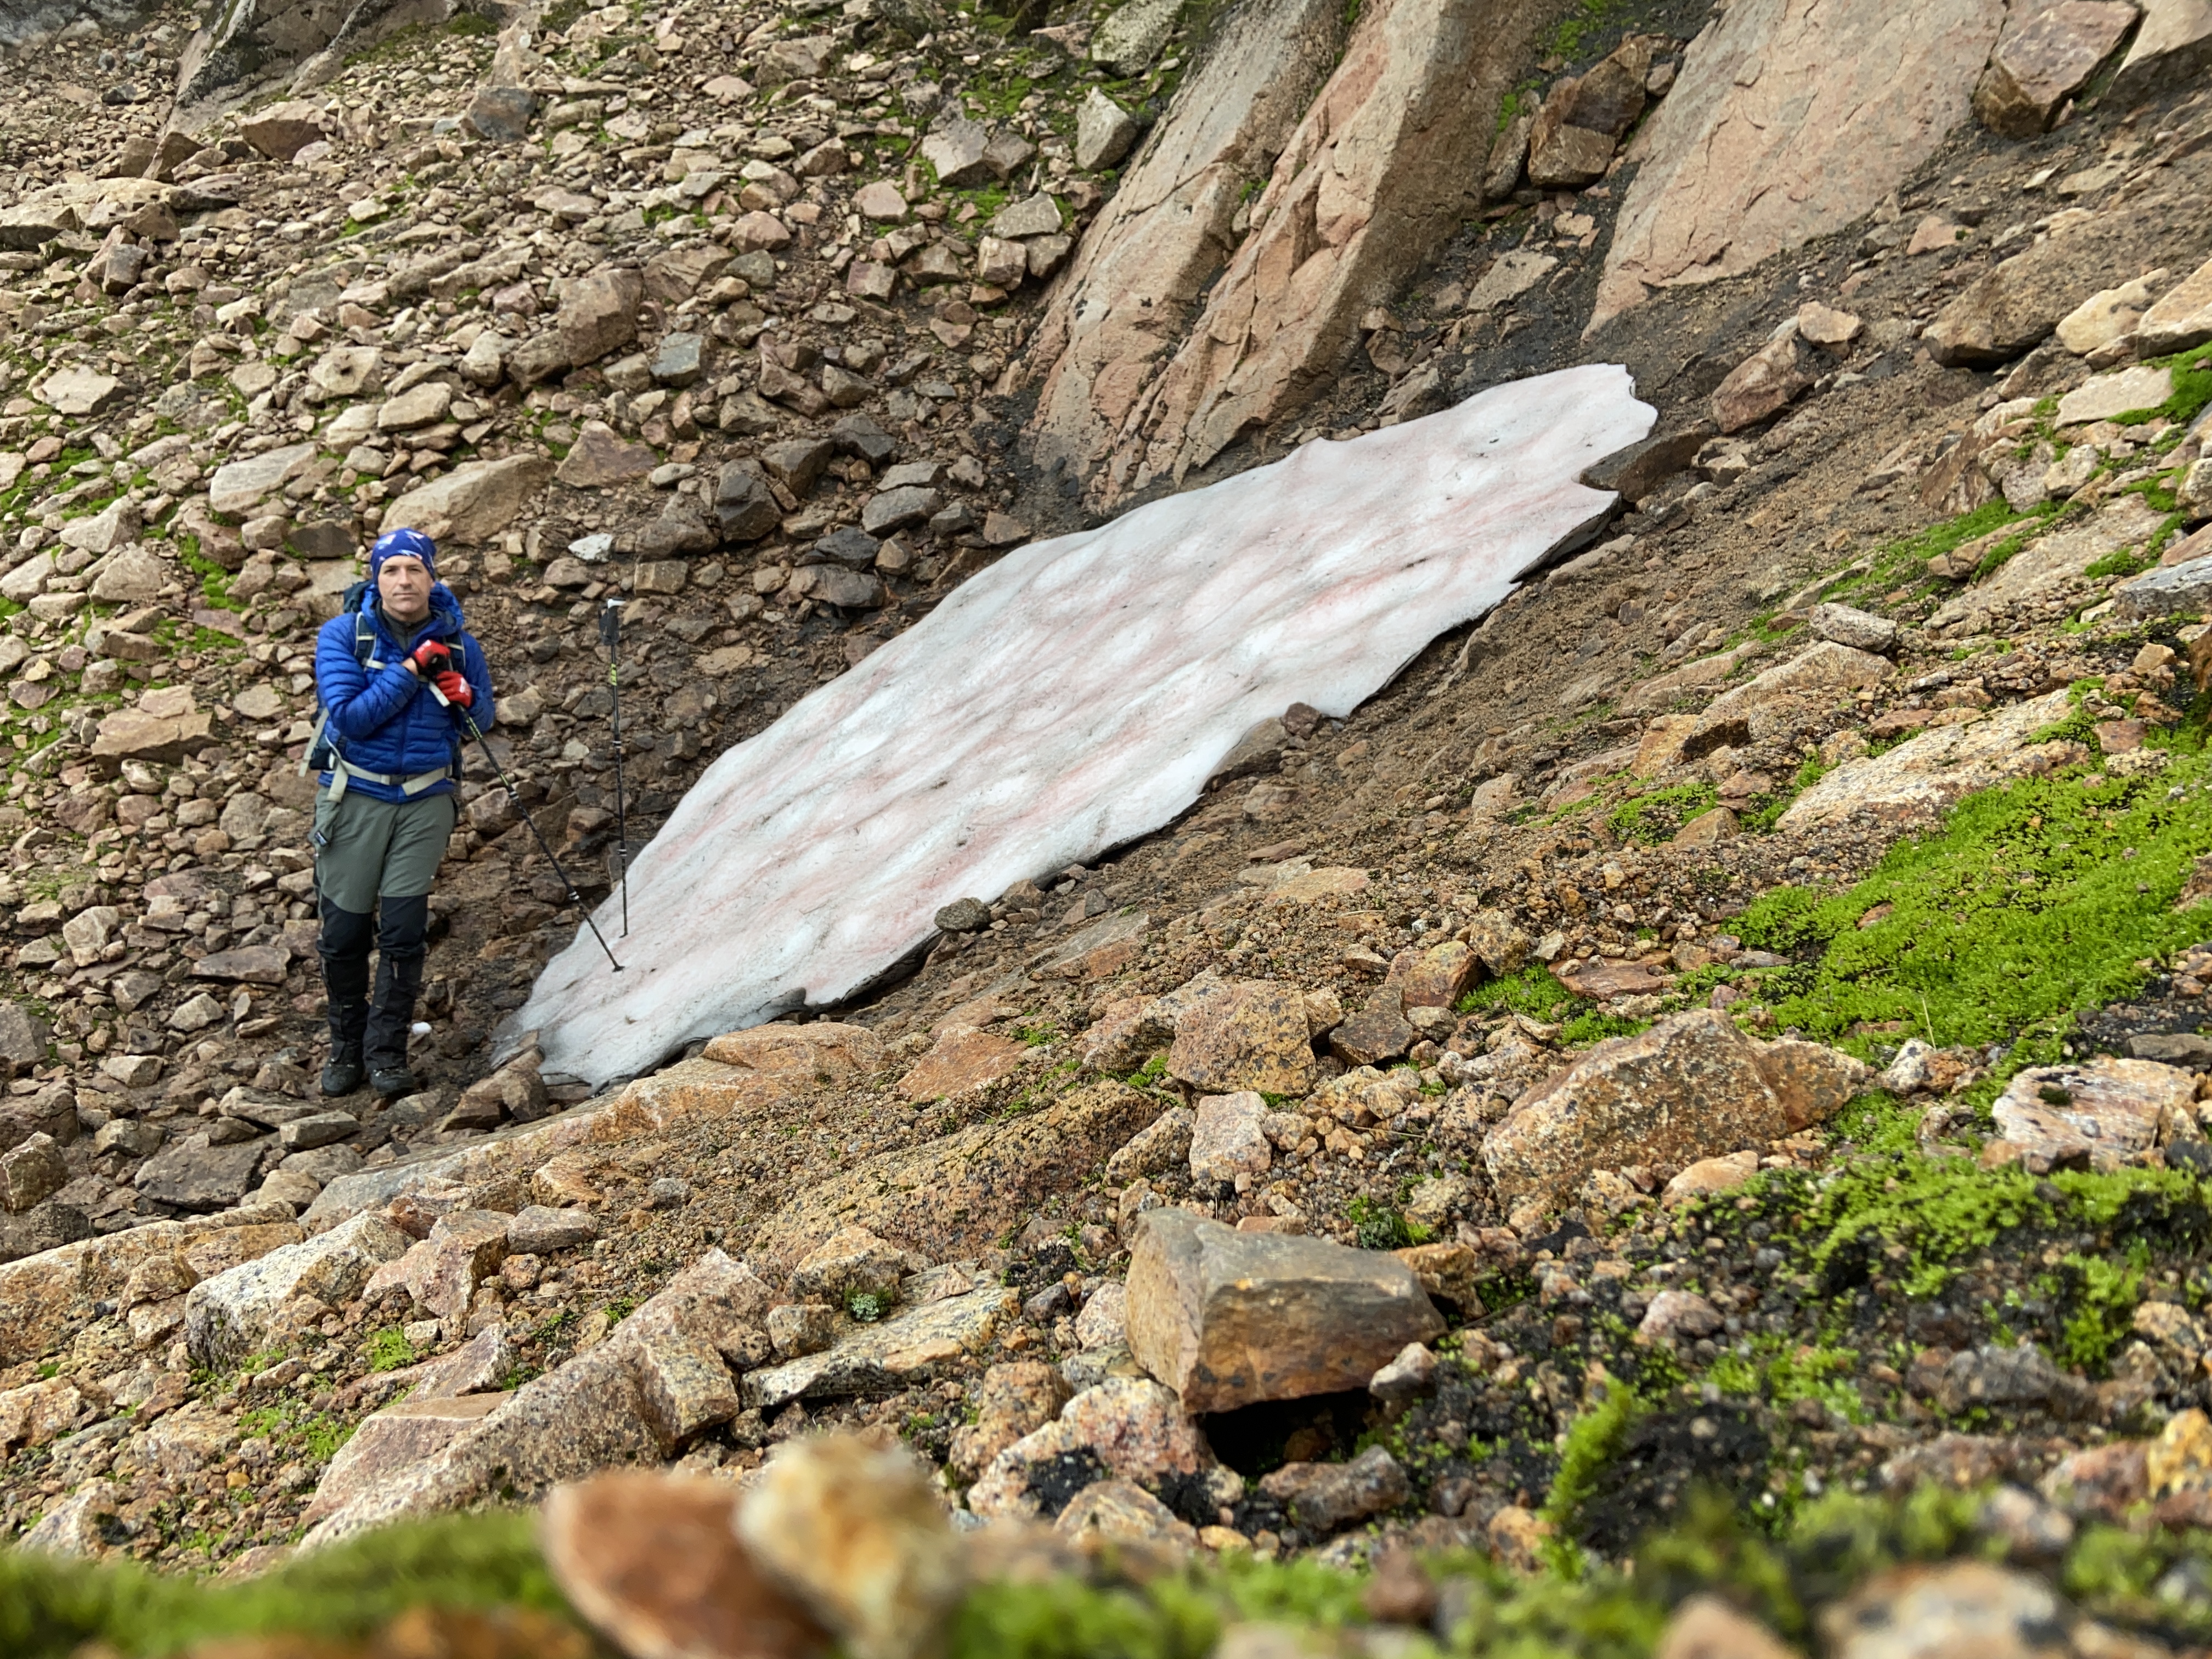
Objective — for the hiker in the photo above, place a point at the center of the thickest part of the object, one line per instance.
(388, 755)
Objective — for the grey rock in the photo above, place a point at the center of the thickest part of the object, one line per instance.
(883, 1358)
(1992, 1376)
(46, 1226)
(501, 114)
(541, 1230)
(1033, 216)
(799, 1328)
(895, 509)
(2168, 590)
(797, 464)
(191, 1174)
(853, 548)
(955, 149)
(965, 915)
(680, 360)
(833, 585)
(860, 435)
(1104, 131)
(1322, 1497)
(317, 1129)
(227, 1316)
(23, 1037)
(744, 508)
(1134, 34)
(1860, 630)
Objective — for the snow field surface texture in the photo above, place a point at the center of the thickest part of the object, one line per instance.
(1075, 696)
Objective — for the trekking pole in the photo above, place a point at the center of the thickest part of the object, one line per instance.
(507, 783)
(610, 636)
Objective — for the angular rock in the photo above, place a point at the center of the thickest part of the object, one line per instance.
(600, 458)
(2173, 590)
(1253, 1036)
(2045, 59)
(961, 1060)
(1163, 1144)
(1133, 35)
(240, 485)
(2104, 1113)
(538, 1230)
(283, 130)
(31, 1172)
(599, 313)
(227, 1316)
(393, 1441)
(1860, 630)
(1226, 1318)
(2183, 317)
(1688, 1088)
(1226, 1140)
(882, 1358)
(852, 1261)
(1130, 1426)
(1768, 381)
(2107, 396)
(191, 1174)
(476, 502)
(1322, 1497)
(746, 509)
(1105, 132)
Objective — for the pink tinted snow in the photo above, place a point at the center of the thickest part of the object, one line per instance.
(1075, 696)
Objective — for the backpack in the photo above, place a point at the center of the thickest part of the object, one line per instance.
(322, 753)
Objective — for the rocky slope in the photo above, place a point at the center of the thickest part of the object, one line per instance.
(1724, 1029)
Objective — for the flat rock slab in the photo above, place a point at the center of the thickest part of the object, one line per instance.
(389, 1441)
(884, 1359)
(2110, 395)
(1074, 696)
(2168, 591)
(2105, 1112)
(962, 1060)
(1225, 1318)
(2058, 557)
(1788, 122)
(1924, 775)
(227, 1316)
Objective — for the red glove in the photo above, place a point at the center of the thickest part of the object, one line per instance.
(431, 659)
(454, 688)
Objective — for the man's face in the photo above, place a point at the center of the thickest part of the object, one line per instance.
(403, 587)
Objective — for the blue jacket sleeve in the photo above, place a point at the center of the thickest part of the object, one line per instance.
(477, 673)
(359, 703)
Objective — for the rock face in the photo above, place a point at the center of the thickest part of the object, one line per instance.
(2173, 43)
(259, 43)
(1384, 165)
(1691, 1087)
(1226, 1318)
(1120, 308)
(1788, 122)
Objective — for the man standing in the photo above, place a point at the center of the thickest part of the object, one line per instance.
(388, 753)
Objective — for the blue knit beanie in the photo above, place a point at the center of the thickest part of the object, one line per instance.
(408, 543)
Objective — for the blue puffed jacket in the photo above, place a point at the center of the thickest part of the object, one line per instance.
(382, 719)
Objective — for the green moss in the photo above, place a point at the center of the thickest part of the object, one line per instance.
(2192, 391)
(1596, 1027)
(1904, 562)
(49, 1605)
(2031, 902)
(2103, 1297)
(1594, 1440)
(1379, 1227)
(1533, 992)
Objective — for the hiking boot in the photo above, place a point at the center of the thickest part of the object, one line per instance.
(343, 1073)
(393, 1080)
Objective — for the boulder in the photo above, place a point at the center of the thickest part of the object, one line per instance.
(599, 313)
(600, 457)
(31, 1171)
(1768, 381)
(886, 1357)
(2183, 317)
(2010, 309)
(1105, 132)
(2044, 60)
(1691, 1087)
(392, 1442)
(1927, 772)
(1226, 1318)
(283, 130)
(2173, 44)
(240, 486)
(2104, 1113)
(961, 1060)
(1252, 1036)
(852, 1261)
(2108, 396)
(476, 502)
(1226, 1140)
(228, 1315)
(191, 1174)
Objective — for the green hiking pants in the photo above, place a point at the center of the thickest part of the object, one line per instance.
(366, 850)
